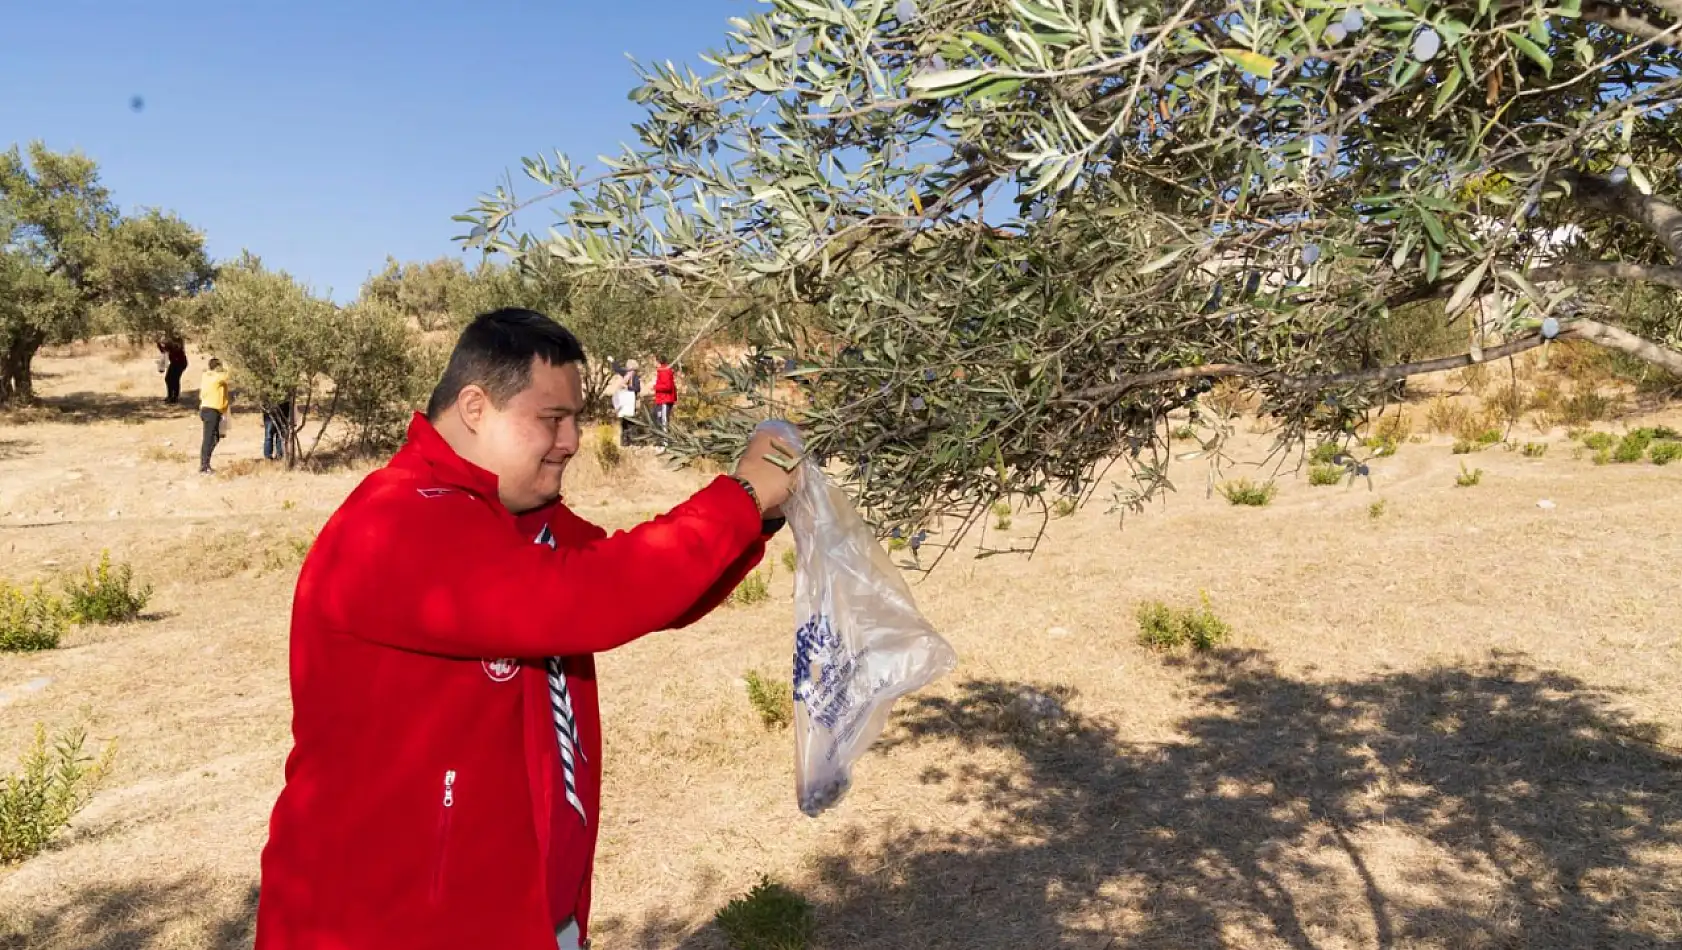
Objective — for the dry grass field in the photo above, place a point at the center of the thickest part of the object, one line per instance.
(1452, 723)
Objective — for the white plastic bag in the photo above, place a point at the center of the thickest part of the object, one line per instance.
(859, 641)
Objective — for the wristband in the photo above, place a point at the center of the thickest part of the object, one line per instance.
(747, 486)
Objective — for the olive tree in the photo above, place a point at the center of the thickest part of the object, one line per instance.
(1018, 233)
(69, 255)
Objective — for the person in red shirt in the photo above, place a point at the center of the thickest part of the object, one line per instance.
(665, 393)
(444, 783)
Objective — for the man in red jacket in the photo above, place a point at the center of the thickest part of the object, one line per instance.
(445, 779)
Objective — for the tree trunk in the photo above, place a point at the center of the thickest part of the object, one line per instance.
(17, 384)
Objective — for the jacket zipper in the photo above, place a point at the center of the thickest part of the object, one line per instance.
(443, 834)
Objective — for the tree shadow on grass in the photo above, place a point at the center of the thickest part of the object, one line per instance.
(191, 911)
(1492, 806)
(85, 408)
(17, 448)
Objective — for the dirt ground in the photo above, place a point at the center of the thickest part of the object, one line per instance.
(1450, 726)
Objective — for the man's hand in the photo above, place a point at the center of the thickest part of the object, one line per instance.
(771, 482)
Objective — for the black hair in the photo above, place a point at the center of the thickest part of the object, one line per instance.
(495, 352)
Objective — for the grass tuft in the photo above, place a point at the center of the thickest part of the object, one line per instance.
(1248, 493)
(754, 589)
(771, 698)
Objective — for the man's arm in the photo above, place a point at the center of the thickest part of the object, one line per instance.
(446, 575)
(716, 594)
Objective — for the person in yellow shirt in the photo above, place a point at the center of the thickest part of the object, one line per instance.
(213, 406)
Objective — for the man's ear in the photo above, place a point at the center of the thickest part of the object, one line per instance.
(472, 404)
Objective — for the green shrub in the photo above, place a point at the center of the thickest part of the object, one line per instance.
(1381, 447)
(1466, 479)
(1376, 510)
(1325, 475)
(1601, 456)
(1534, 450)
(1664, 453)
(1162, 627)
(1325, 453)
(1632, 447)
(1063, 507)
(106, 594)
(51, 786)
(1598, 440)
(768, 917)
(1185, 432)
(1245, 492)
(31, 619)
(773, 700)
(1489, 437)
(1463, 447)
(754, 589)
(789, 559)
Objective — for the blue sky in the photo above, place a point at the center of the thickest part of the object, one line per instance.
(326, 134)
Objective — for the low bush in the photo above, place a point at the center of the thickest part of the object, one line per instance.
(106, 594)
(770, 916)
(31, 618)
(51, 786)
(1162, 627)
(1325, 475)
(1664, 453)
(1248, 493)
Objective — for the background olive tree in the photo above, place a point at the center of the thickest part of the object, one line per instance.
(72, 263)
(353, 374)
(616, 319)
(1025, 231)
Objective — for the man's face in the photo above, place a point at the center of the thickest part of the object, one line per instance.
(527, 442)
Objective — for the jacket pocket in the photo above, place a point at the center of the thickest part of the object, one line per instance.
(441, 851)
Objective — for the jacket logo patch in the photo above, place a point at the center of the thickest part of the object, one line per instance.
(434, 492)
(501, 671)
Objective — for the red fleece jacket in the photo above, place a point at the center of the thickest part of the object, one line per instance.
(420, 807)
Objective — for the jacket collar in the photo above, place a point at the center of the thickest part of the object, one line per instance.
(425, 447)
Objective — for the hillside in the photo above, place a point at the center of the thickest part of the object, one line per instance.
(1452, 724)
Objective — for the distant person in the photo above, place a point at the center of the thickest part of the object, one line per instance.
(443, 791)
(624, 407)
(213, 409)
(277, 429)
(172, 363)
(630, 380)
(665, 393)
